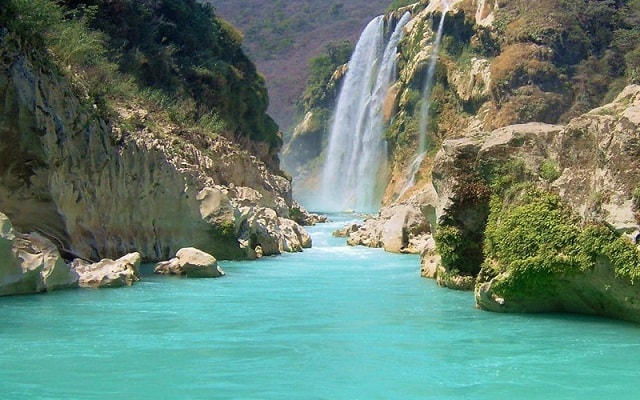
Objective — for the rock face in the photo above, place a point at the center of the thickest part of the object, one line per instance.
(108, 273)
(103, 191)
(598, 157)
(512, 110)
(591, 164)
(192, 263)
(598, 291)
(273, 234)
(30, 263)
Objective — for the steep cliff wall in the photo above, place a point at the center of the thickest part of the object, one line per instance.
(104, 187)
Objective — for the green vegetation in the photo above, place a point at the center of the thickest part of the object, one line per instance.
(576, 53)
(460, 236)
(173, 55)
(636, 198)
(549, 171)
(317, 103)
(537, 239)
(526, 232)
(458, 250)
(395, 4)
(319, 93)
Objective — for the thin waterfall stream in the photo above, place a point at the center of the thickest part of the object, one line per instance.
(426, 105)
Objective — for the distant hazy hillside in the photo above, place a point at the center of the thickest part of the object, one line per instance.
(281, 36)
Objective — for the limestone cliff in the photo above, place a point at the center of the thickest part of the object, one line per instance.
(103, 185)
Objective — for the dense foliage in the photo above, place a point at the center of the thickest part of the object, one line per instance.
(560, 58)
(536, 239)
(175, 52)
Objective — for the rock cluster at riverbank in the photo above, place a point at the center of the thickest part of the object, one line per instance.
(31, 263)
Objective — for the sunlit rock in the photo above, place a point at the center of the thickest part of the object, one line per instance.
(192, 263)
(103, 190)
(108, 273)
(30, 263)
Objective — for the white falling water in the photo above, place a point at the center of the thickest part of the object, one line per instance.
(428, 85)
(426, 105)
(357, 154)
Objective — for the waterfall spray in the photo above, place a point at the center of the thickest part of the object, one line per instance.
(357, 153)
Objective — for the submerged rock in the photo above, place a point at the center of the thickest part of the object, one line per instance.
(108, 273)
(192, 263)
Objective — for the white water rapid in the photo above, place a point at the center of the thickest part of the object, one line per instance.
(356, 162)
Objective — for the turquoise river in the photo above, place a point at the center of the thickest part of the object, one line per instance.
(333, 322)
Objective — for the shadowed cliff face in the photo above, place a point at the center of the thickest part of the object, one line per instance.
(103, 192)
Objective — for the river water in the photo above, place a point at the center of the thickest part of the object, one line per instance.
(334, 322)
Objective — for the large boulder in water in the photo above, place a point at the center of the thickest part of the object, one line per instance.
(30, 263)
(192, 263)
(108, 273)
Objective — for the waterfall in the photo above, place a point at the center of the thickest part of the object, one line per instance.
(357, 154)
(426, 105)
(428, 85)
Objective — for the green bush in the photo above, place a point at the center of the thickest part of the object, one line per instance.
(537, 239)
(33, 20)
(540, 224)
(549, 171)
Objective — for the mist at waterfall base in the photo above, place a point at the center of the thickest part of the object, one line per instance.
(355, 168)
(333, 322)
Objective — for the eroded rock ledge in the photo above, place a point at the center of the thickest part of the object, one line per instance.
(31, 263)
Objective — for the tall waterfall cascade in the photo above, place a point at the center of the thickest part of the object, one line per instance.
(356, 161)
